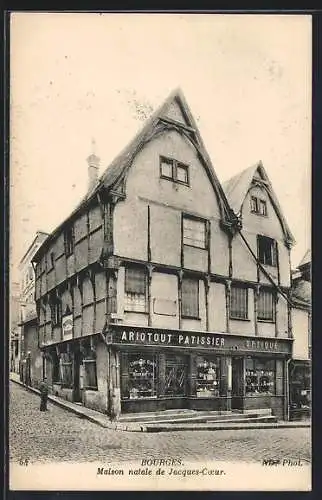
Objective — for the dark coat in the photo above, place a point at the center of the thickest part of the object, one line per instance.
(43, 388)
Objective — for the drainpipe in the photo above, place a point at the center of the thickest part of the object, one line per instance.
(288, 389)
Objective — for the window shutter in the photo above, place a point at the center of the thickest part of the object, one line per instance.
(135, 281)
(90, 381)
(190, 298)
(275, 254)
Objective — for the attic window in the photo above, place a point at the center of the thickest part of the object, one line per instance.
(258, 206)
(174, 170)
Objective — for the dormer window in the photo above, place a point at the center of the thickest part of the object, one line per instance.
(174, 170)
(258, 206)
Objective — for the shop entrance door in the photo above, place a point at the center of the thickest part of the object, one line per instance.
(237, 389)
(176, 376)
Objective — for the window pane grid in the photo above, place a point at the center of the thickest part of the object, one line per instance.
(254, 204)
(174, 170)
(166, 169)
(182, 174)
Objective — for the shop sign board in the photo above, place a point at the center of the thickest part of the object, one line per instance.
(67, 327)
(221, 342)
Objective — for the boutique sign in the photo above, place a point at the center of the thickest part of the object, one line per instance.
(220, 342)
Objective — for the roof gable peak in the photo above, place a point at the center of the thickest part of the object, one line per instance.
(237, 187)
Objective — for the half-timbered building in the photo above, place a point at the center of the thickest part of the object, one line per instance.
(164, 289)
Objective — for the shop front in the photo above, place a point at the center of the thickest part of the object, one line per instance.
(166, 369)
(300, 389)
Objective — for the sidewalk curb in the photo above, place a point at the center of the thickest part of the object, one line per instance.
(174, 428)
(160, 428)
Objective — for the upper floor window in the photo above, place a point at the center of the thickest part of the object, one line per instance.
(266, 305)
(190, 298)
(56, 312)
(135, 289)
(239, 302)
(194, 232)
(258, 206)
(267, 250)
(31, 273)
(69, 241)
(174, 170)
(50, 261)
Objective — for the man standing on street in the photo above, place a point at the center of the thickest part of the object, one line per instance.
(43, 387)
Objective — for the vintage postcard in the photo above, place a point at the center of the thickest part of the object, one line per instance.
(160, 260)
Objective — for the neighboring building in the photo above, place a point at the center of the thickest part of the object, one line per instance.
(30, 355)
(300, 366)
(14, 313)
(161, 290)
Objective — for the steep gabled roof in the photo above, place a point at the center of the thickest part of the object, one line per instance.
(306, 259)
(118, 168)
(40, 236)
(302, 291)
(238, 186)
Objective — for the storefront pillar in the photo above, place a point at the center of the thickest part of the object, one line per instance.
(192, 377)
(226, 381)
(114, 384)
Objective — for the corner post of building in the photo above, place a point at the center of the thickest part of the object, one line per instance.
(114, 384)
(228, 292)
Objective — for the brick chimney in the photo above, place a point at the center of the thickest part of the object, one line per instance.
(93, 167)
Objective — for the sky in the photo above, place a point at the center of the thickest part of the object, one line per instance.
(75, 77)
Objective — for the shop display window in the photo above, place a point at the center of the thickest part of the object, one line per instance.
(142, 376)
(260, 376)
(208, 377)
(300, 386)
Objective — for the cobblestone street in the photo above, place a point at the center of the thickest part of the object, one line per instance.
(58, 435)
